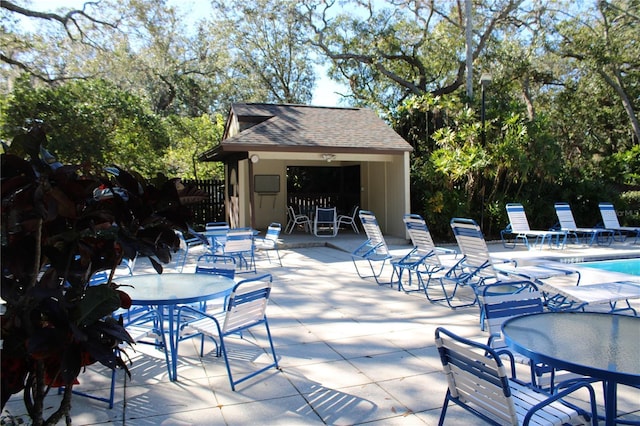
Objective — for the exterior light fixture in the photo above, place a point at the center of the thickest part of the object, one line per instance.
(328, 157)
(254, 158)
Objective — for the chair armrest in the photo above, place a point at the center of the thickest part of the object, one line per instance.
(561, 394)
(512, 363)
(365, 249)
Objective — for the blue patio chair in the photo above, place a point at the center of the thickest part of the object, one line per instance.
(603, 237)
(519, 227)
(325, 223)
(270, 241)
(504, 301)
(610, 222)
(422, 260)
(186, 243)
(374, 250)
(219, 264)
(479, 383)
(240, 245)
(216, 233)
(245, 309)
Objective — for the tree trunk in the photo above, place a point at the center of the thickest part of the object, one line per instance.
(626, 102)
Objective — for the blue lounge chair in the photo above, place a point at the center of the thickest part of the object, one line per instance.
(374, 250)
(478, 268)
(610, 222)
(603, 237)
(519, 227)
(422, 260)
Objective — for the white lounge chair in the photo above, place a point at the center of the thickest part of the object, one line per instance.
(610, 221)
(422, 260)
(519, 226)
(374, 250)
(296, 219)
(602, 237)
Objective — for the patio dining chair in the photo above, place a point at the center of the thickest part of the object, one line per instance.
(296, 219)
(374, 250)
(501, 302)
(218, 264)
(216, 233)
(140, 323)
(186, 244)
(610, 221)
(601, 236)
(350, 219)
(477, 381)
(240, 245)
(270, 241)
(245, 310)
(325, 223)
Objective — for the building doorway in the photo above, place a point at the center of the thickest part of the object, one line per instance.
(323, 186)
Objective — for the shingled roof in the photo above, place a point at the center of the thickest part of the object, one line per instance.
(300, 128)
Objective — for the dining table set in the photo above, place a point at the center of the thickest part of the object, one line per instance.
(163, 294)
(598, 346)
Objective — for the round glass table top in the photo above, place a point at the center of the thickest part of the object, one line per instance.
(172, 288)
(594, 344)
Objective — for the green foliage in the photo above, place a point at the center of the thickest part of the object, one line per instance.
(190, 137)
(90, 121)
(60, 225)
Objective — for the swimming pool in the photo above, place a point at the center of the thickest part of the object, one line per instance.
(626, 266)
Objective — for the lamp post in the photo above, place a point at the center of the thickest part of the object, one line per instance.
(485, 79)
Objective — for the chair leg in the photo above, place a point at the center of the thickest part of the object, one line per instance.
(443, 413)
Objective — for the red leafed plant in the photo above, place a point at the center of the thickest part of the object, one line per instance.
(60, 225)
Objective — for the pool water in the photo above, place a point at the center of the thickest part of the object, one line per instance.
(626, 266)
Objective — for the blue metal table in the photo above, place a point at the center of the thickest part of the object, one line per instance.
(166, 292)
(598, 345)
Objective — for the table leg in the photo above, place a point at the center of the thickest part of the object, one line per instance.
(610, 402)
(172, 364)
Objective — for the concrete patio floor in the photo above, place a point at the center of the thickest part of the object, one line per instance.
(350, 352)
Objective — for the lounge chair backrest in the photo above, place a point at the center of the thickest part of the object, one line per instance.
(565, 216)
(609, 216)
(420, 235)
(517, 218)
(374, 234)
(473, 246)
